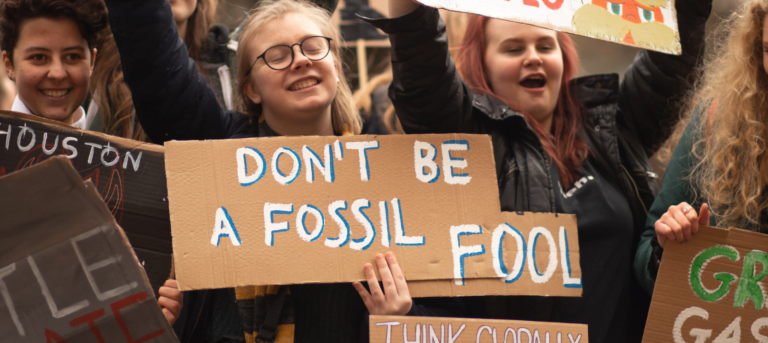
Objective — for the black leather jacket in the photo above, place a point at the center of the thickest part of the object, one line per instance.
(625, 121)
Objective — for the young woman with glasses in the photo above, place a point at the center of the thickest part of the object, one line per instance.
(290, 83)
(561, 144)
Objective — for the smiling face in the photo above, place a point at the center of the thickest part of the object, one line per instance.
(295, 100)
(182, 9)
(524, 66)
(52, 67)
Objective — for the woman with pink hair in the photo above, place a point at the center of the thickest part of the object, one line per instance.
(561, 144)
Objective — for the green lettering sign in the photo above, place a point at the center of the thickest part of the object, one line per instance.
(725, 278)
(748, 289)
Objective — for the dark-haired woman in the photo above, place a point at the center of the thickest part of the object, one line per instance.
(561, 144)
(49, 50)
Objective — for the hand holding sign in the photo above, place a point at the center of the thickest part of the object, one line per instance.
(395, 300)
(679, 222)
(170, 300)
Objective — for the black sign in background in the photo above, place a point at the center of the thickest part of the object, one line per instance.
(67, 272)
(134, 189)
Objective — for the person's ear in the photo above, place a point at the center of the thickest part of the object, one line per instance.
(336, 68)
(93, 59)
(8, 65)
(252, 92)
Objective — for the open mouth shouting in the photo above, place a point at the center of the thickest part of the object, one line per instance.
(534, 81)
(55, 93)
(304, 83)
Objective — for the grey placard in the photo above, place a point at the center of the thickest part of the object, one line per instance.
(67, 271)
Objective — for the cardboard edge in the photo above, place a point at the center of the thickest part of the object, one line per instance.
(677, 52)
(128, 143)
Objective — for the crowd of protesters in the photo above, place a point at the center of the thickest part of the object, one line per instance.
(160, 70)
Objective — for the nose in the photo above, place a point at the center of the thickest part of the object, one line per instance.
(299, 60)
(56, 72)
(532, 58)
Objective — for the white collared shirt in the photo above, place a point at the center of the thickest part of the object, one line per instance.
(19, 106)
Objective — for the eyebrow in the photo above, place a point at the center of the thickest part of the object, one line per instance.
(36, 48)
(77, 47)
(300, 39)
(39, 48)
(512, 40)
(519, 40)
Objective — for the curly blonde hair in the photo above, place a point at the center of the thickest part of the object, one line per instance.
(730, 97)
(346, 119)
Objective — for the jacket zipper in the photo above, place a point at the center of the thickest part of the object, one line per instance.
(637, 193)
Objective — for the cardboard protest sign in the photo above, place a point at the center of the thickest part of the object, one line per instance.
(129, 175)
(289, 210)
(67, 272)
(401, 329)
(648, 24)
(711, 289)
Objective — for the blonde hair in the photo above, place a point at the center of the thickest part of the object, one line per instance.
(346, 119)
(732, 169)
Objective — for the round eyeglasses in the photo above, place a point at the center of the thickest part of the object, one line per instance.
(279, 57)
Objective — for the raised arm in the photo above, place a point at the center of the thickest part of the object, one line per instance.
(655, 82)
(428, 94)
(172, 100)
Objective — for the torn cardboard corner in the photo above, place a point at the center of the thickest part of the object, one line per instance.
(647, 24)
(129, 175)
(289, 210)
(711, 288)
(67, 271)
(402, 329)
